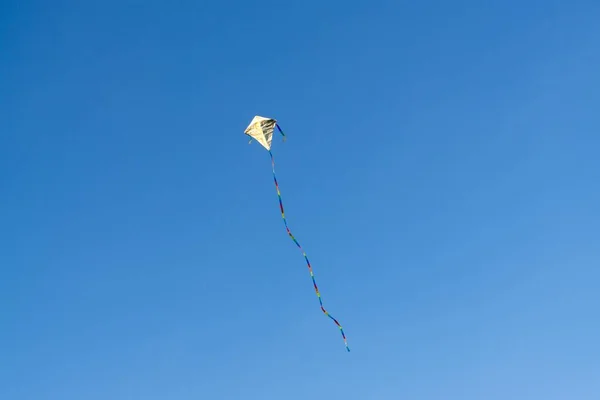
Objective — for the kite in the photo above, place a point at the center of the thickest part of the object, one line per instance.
(261, 129)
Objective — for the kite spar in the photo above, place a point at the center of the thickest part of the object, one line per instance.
(261, 129)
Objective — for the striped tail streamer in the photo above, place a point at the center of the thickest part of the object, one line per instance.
(310, 270)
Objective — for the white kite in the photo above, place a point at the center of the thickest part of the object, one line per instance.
(261, 129)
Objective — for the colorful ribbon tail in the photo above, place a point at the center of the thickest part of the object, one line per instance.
(310, 270)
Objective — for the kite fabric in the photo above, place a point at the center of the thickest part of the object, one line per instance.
(261, 129)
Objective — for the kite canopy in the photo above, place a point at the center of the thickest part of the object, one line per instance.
(261, 130)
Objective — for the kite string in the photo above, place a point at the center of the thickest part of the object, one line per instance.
(312, 275)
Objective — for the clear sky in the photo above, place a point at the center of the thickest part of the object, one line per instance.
(442, 171)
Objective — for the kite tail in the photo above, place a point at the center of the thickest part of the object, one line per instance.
(312, 275)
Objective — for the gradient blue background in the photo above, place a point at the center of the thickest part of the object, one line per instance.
(442, 172)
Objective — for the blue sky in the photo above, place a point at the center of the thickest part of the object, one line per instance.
(441, 171)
